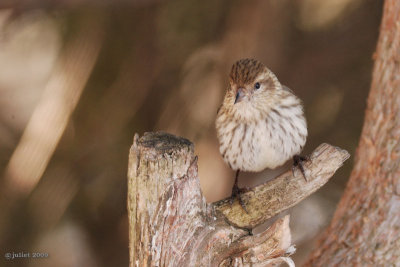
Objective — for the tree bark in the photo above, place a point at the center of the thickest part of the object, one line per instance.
(365, 230)
(170, 223)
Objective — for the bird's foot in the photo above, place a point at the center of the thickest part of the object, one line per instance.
(236, 191)
(298, 161)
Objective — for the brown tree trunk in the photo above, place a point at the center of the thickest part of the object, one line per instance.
(365, 230)
(170, 223)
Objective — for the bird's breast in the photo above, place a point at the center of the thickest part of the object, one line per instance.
(266, 143)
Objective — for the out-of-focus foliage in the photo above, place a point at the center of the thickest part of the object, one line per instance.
(76, 83)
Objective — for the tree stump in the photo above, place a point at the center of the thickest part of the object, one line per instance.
(170, 223)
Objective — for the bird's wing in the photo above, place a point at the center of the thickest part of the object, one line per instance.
(284, 87)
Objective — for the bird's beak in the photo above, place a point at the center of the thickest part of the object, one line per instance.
(239, 95)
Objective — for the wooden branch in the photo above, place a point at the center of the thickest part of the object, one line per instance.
(267, 200)
(165, 205)
(170, 223)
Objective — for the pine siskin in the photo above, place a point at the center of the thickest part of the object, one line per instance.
(260, 123)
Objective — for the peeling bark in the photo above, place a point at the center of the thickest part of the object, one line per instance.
(170, 223)
(365, 230)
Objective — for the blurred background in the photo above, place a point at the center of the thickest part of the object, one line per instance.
(79, 78)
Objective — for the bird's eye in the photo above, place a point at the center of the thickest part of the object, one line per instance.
(257, 86)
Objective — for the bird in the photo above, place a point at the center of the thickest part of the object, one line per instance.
(260, 124)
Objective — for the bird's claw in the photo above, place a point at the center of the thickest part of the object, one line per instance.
(236, 191)
(298, 161)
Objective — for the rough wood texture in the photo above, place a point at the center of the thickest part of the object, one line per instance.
(285, 191)
(365, 230)
(171, 224)
(165, 207)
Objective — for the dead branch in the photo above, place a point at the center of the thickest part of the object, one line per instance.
(171, 224)
(267, 200)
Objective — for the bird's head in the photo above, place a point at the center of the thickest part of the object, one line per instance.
(253, 88)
